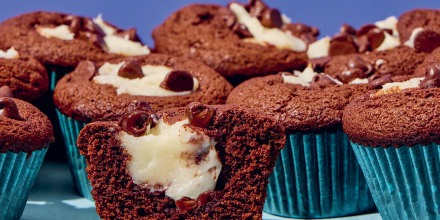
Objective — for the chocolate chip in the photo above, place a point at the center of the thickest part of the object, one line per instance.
(86, 70)
(186, 204)
(322, 81)
(198, 114)
(9, 109)
(241, 30)
(358, 62)
(98, 41)
(129, 34)
(432, 77)
(135, 122)
(256, 8)
(131, 69)
(318, 64)
(375, 37)
(379, 82)
(74, 23)
(178, 81)
(139, 105)
(426, 41)
(365, 29)
(308, 38)
(347, 29)
(363, 44)
(349, 75)
(5, 91)
(341, 44)
(387, 30)
(271, 18)
(90, 26)
(205, 197)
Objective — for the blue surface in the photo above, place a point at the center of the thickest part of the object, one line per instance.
(145, 15)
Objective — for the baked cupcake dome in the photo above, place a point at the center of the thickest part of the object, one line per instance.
(206, 33)
(247, 145)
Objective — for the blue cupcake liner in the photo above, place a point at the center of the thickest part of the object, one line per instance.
(54, 78)
(404, 181)
(18, 172)
(70, 129)
(316, 175)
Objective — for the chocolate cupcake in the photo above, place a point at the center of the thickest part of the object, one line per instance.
(237, 40)
(25, 135)
(210, 162)
(105, 92)
(395, 134)
(25, 76)
(316, 174)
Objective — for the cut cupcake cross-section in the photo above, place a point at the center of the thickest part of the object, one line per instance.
(196, 162)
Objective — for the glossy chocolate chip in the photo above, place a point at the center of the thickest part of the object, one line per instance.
(349, 75)
(426, 41)
(241, 30)
(271, 18)
(9, 109)
(375, 37)
(365, 29)
(363, 44)
(135, 122)
(186, 204)
(318, 64)
(178, 81)
(379, 82)
(5, 91)
(86, 70)
(432, 77)
(256, 8)
(205, 197)
(347, 29)
(139, 105)
(98, 41)
(198, 114)
(341, 44)
(129, 34)
(131, 69)
(359, 63)
(322, 81)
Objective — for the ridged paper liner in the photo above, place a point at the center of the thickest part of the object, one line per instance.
(70, 129)
(17, 176)
(404, 181)
(54, 78)
(317, 176)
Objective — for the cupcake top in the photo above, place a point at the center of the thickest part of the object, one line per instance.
(103, 92)
(403, 113)
(420, 29)
(65, 40)
(25, 76)
(23, 128)
(302, 102)
(237, 40)
(433, 57)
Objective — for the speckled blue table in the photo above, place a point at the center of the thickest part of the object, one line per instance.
(53, 197)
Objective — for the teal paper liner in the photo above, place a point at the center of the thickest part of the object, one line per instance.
(54, 78)
(17, 176)
(316, 175)
(404, 181)
(70, 129)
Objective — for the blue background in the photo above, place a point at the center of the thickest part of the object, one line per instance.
(145, 15)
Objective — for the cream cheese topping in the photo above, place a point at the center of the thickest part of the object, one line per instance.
(389, 23)
(412, 83)
(164, 159)
(389, 42)
(61, 32)
(149, 85)
(359, 81)
(319, 48)
(410, 41)
(108, 30)
(11, 53)
(274, 36)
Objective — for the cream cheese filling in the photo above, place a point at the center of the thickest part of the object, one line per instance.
(319, 48)
(148, 85)
(163, 160)
(61, 32)
(274, 36)
(11, 53)
(305, 77)
(410, 41)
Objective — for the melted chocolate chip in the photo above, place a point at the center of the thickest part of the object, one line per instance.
(347, 29)
(341, 44)
(139, 105)
(432, 77)
(5, 91)
(379, 82)
(241, 30)
(359, 63)
(129, 34)
(426, 41)
(365, 29)
(9, 109)
(135, 122)
(198, 114)
(318, 64)
(131, 69)
(349, 75)
(86, 70)
(322, 81)
(375, 37)
(271, 18)
(186, 204)
(178, 81)
(205, 197)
